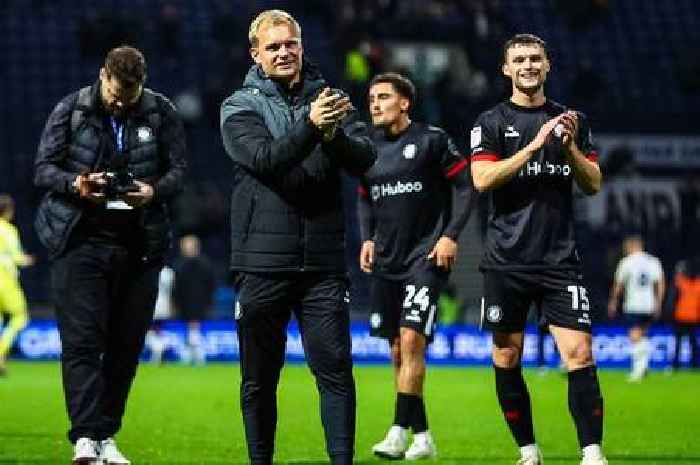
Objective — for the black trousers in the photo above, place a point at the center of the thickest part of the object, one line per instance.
(104, 298)
(264, 307)
(681, 330)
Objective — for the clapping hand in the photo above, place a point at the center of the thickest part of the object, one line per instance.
(328, 109)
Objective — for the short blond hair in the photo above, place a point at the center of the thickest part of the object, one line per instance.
(273, 18)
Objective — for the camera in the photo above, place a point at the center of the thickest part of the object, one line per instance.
(118, 181)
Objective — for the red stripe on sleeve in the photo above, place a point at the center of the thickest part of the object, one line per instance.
(486, 156)
(362, 191)
(592, 156)
(456, 168)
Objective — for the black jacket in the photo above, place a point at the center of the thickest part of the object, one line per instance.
(286, 204)
(154, 147)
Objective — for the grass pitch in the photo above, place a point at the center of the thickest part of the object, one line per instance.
(190, 415)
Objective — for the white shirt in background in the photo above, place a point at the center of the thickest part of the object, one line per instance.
(637, 273)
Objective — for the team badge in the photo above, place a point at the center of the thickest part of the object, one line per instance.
(511, 132)
(376, 193)
(409, 152)
(238, 311)
(475, 138)
(375, 320)
(144, 134)
(494, 314)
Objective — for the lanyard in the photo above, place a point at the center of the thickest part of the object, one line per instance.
(118, 134)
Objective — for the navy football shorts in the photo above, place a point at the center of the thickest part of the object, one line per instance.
(559, 295)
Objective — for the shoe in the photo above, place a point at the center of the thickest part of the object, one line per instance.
(423, 447)
(531, 459)
(594, 461)
(84, 452)
(110, 455)
(394, 444)
(593, 455)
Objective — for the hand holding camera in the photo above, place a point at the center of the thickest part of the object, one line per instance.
(140, 197)
(89, 186)
(116, 184)
(121, 185)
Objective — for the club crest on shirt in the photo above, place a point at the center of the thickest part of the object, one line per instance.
(238, 311)
(144, 134)
(475, 138)
(494, 313)
(511, 132)
(409, 151)
(375, 320)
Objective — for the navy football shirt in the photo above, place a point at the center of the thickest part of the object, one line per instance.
(531, 217)
(409, 195)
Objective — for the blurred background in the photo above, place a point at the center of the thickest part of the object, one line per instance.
(633, 66)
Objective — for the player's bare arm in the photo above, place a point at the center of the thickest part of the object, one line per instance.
(586, 172)
(488, 175)
(659, 292)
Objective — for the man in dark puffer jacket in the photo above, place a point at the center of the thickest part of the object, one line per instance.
(281, 130)
(107, 250)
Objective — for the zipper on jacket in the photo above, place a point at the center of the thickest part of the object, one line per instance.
(293, 105)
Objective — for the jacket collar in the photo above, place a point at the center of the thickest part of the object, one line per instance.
(311, 81)
(144, 105)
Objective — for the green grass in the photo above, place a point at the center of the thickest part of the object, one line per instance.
(183, 415)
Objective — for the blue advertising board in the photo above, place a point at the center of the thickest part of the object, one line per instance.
(452, 345)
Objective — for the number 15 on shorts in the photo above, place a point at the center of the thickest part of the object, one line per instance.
(579, 301)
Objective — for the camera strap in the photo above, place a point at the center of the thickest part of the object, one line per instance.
(118, 129)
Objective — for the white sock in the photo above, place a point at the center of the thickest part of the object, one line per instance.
(186, 355)
(531, 450)
(644, 354)
(636, 353)
(157, 345)
(593, 451)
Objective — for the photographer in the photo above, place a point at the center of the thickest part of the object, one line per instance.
(110, 156)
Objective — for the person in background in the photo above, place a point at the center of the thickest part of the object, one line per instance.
(640, 277)
(12, 301)
(193, 294)
(686, 314)
(156, 340)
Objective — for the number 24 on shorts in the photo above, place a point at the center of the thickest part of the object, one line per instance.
(419, 297)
